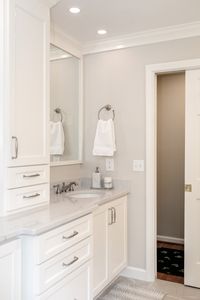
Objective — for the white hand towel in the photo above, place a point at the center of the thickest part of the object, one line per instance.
(104, 142)
(57, 138)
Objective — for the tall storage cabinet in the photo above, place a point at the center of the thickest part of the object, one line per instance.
(24, 104)
(28, 105)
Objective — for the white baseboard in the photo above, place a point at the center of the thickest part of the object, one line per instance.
(169, 239)
(135, 273)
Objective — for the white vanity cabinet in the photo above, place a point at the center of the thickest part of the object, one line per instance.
(10, 270)
(76, 286)
(24, 105)
(57, 264)
(110, 242)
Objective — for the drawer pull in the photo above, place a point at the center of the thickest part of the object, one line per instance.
(31, 196)
(70, 236)
(71, 262)
(31, 176)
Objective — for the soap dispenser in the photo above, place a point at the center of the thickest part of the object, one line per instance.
(96, 179)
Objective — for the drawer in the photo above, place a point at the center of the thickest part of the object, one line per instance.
(28, 197)
(77, 285)
(27, 176)
(55, 269)
(53, 242)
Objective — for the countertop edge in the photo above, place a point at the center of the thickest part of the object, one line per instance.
(22, 232)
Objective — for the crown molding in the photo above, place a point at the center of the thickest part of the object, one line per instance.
(143, 38)
(50, 3)
(65, 42)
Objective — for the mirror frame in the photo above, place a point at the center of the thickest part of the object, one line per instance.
(58, 40)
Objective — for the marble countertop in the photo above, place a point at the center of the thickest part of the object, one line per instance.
(61, 210)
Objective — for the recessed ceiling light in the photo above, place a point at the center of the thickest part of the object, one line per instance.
(74, 10)
(101, 31)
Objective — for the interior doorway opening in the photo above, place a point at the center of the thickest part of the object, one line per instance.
(170, 176)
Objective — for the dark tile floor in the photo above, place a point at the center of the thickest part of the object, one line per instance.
(167, 277)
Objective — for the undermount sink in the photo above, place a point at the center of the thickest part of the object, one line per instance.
(85, 194)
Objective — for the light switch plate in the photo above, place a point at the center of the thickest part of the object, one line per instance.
(109, 164)
(138, 165)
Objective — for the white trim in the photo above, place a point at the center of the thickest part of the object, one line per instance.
(65, 42)
(135, 273)
(65, 163)
(50, 3)
(143, 38)
(151, 106)
(170, 239)
(59, 39)
(158, 35)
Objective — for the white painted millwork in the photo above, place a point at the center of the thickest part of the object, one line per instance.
(117, 238)
(100, 259)
(78, 285)
(29, 49)
(10, 271)
(60, 40)
(27, 197)
(24, 44)
(61, 238)
(192, 177)
(151, 152)
(110, 242)
(50, 258)
(26, 176)
(56, 268)
(95, 243)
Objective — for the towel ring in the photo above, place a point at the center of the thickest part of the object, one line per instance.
(58, 111)
(108, 107)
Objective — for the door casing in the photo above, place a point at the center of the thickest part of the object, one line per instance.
(151, 154)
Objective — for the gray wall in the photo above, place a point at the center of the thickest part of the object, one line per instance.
(170, 158)
(118, 78)
(62, 173)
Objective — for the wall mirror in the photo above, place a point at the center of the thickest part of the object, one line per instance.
(65, 108)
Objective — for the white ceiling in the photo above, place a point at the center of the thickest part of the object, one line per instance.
(120, 17)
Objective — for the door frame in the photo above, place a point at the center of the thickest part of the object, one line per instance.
(151, 154)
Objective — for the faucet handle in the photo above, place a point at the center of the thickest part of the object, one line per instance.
(57, 187)
(72, 185)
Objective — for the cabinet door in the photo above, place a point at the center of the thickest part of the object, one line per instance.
(28, 102)
(117, 238)
(100, 246)
(10, 271)
(76, 286)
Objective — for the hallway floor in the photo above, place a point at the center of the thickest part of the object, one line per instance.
(176, 291)
(169, 277)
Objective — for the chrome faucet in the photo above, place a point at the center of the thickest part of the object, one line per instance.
(68, 187)
(58, 188)
(65, 187)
